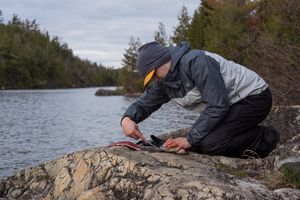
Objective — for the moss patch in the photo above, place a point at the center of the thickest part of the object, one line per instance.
(291, 172)
(288, 176)
(230, 170)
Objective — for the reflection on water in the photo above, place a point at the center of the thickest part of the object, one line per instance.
(40, 125)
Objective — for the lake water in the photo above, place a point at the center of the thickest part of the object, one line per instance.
(40, 125)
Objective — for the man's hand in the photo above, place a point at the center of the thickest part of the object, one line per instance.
(178, 143)
(131, 129)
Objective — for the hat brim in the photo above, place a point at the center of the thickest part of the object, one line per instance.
(148, 77)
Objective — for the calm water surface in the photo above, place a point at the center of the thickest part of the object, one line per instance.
(40, 125)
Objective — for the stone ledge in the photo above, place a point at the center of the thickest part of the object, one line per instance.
(121, 173)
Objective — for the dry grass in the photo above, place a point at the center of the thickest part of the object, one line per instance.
(277, 179)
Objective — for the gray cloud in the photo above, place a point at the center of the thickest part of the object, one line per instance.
(99, 30)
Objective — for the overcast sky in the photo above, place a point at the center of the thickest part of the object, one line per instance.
(99, 30)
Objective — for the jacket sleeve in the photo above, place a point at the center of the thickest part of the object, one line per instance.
(205, 73)
(150, 101)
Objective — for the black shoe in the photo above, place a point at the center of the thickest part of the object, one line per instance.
(268, 143)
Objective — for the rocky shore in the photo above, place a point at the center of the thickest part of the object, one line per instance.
(121, 173)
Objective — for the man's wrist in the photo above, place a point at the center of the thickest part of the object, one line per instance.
(126, 118)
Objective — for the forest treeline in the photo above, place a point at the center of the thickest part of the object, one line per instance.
(30, 58)
(263, 35)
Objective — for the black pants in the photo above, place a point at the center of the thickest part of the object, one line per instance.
(239, 131)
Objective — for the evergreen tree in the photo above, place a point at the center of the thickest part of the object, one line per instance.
(160, 35)
(198, 25)
(15, 21)
(130, 55)
(129, 77)
(1, 18)
(181, 31)
(219, 27)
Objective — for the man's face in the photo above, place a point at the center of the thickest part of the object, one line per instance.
(161, 72)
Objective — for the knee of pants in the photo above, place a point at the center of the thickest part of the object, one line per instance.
(209, 147)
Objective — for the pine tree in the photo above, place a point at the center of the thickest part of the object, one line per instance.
(129, 78)
(199, 23)
(130, 55)
(15, 21)
(1, 17)
(181, 31)
(160, 35)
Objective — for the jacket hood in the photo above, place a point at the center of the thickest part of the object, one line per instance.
(177, 52)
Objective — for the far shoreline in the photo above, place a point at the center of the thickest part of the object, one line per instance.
(58, 88)
(101, 90)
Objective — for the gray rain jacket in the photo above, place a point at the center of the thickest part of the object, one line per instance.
(198, 78)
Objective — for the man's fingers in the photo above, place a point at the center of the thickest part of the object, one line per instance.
(178, 143)
(139, 135)
(178, 148)
(134, 136)
(170, 143)
(166, 144)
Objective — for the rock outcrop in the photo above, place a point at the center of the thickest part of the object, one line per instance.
(118, 92)
(121, 173)
(105, 92)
